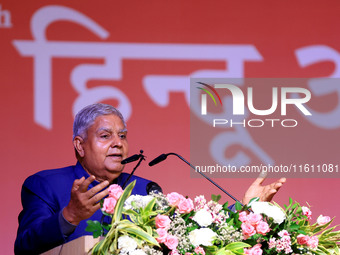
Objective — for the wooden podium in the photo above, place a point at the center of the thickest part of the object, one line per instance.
(80, 246)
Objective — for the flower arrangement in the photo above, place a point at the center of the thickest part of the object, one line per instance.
(173, 224)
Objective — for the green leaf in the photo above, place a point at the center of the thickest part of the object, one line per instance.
(290, 201)
(211, 249)
(336, 249)
(120, 203)
(215, 198)
(107, 226)
(299, 210)
(100, 248)
(140, 233)
(323, 250)
(148, 229)
(301, 232)
(237, 247)
(130, 212)
(238, 206)
(294, 227)
(95, 227)
(225, 206)
(150, 205)
(223, 251)
(290, 204)
(323, 227)
(254, 199)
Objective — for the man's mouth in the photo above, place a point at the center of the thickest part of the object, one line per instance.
(115, 156)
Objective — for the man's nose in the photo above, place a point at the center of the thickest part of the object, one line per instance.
(116, 141)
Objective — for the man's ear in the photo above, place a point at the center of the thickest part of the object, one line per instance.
(78, 145)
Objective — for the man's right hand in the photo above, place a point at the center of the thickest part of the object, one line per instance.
(84, 202)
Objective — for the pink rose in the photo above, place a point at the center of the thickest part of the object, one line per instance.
(247, 230)
(322, 220)
(171, 242)
(307, 212)
(199, 250)
(162, 221)
(262, 228)
(255, 250)
(109, 205)
(162, 235)
(174, 198)
(186, 206)
(254, 219)
(115, 191)
(313, 242)
(243, 216)
(302, 239)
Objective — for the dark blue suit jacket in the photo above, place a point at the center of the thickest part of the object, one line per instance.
(43, 196)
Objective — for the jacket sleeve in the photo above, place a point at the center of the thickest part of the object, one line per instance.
(39, 228)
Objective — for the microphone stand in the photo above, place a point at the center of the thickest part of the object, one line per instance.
(206, 177)
(142, 157)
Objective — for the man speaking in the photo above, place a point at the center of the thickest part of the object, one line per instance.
(57, 203)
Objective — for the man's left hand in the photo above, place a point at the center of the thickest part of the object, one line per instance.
(265, 193)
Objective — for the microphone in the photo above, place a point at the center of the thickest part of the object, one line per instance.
(162, 157)
(131, 159)
(153, 187)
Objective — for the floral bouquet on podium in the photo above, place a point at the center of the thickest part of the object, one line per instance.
(173, 224)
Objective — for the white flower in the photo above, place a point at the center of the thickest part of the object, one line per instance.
(137, 252)
(202, 236)
(138, 200)
(126, 244)
(203, 218)
(269, 210)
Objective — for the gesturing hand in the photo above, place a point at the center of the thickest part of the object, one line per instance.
(265, 193)
(84, 203)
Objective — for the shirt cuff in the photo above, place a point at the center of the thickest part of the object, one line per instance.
(66, 227)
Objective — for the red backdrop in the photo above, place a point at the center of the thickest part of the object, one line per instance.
(57, 56)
